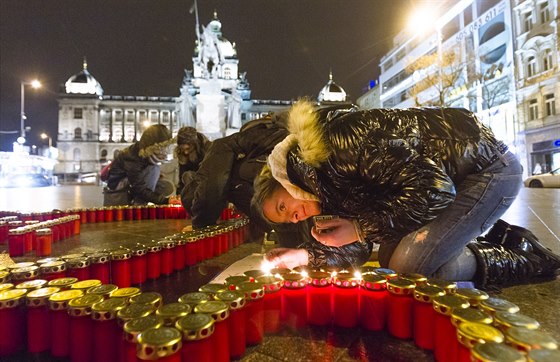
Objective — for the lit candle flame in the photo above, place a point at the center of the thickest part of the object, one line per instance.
(358, 275)
(267, 266)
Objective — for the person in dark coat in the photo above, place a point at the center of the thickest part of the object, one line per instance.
(423, 183)
(137, 168)
(191, 148)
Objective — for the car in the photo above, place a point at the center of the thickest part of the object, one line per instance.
(549, 179)
(25, 180)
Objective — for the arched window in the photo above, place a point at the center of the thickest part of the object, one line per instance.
(531, 66)
(547, 60)
(78, 133)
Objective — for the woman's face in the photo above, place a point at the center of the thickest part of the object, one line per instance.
(281, 207)
(186, 148)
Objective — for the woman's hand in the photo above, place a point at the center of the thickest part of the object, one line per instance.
(287, 258)
(335, 232)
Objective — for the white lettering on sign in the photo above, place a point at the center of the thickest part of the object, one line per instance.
(481, 21)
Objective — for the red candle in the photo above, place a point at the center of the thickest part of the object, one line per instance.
(191, 249)
(39, 320)
(121, 268)
(272, 302)
(319, 298)
(167, 250)
(197, 330)
(139, 264)
(399, 307)
(132, 329)
(219, 311)
(53, 270)
(77, 224)
(102, 290)
(294, 300)
(445, 334)
(152, 299)
(179, 254)
(128, 212)
(106, 331)
(470, 334)
(254, 313)
(81, 327)
(16, 242)
(84, 216)
(99, 214)
(346, 300)
(424, 315)
(163, 344)
(62, 283)
(488, 351)
(209, 244)
(12, 321)
(60, 321)
(109, 213)
(152, 214)
(234, 281)
(78, 268)
(154, 260)
(24, 274)
(92, 215)
(137, 212)
(43, 242)
(119, 213)
(373, 302)
(236, 321)
(100, 267)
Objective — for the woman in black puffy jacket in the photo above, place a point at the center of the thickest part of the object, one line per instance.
(422, 182)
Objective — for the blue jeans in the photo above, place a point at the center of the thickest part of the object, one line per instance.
(438, 249)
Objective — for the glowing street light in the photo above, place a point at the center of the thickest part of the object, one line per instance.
(45, 136)
(35, 84)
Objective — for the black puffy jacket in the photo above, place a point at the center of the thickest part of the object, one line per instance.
(392, 170)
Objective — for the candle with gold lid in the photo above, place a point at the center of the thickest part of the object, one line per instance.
(280, 271)
(153, 299)
(132, 329)
(179, 260)
(78, 268)
(254, 313)
(418, 279)
(85, 284)
(125, 293)
(254, 274)
(237, 320)
(53, 269)
(104, 290)
(139, 263)
(60, 320)
(399, 307)
(496, 352)
(106, 331)
(506, 320)
(448, 286)
(81, 325)
(526, 340)
(493, 305)
(470, 334)
(472, 295)
(373, 302)
(25, 274)
(294, 299)
(100, 266)
(32, 284)
(424, 315)
(233, 281)
(121, 267)
(194, 298)
(319, 298)
(162, 344)
(24, 264)
(213, 288)
(219, 311)
(12, 314)
(272, 302)
(153, 260)
(387, 273)
(167, 250)
(39, 319)
(171, 312)
(5, 276)
(446, 343)
(191, 249)
(62, 283)
(133, 311)
(345, 307)
(543, 355)
(197, 330)
(6, 286)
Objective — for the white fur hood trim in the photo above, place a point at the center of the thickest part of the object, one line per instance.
(303, 123)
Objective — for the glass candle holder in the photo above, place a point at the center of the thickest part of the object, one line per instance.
(526, 340)
(39, 319)
(153, 299)
(191, 249)
(43, 242)
(163, 344)
(472, 295)
(493, 305)
(488, 352)
(179, 260)
(154, 260)
(16, 244)
(78, 268)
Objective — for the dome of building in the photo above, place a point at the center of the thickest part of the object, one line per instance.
(332, 92)
(83, 83)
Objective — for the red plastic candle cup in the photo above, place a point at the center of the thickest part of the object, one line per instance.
(129, 213)
(236, 321)
(424, 315)
(119, 213)
(163, 344)
(121, 268)
(191, 249)
(16, 244)
(197, 330)
(43, 242)
(12, 321)
(466, 342)
(109, 214)
(60, 321)
(137, 212)
(81, 326)
(346, 299)
(254, 312)
(445, 333)
(77, 224)
(106, 331)
(84, 216)
(219, 311)
(3, 231)
(154, 260)
(132, 329)
(294, 300)
(272, 302)
(373, 302)
(24, 274)
(179, 260)
(482, 352)
(92, 215)
(139, 263)
(234, 281)
(209, 244)
(28, 239)
(152, 213)
(470, 334)
(99, 214)
(78, 268)
(53, 270)
(201, 245)
(399, 307)
(39, 319)
(100, 267)
(319, 298)
(167, 250)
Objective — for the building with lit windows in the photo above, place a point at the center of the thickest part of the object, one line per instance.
(504, 68)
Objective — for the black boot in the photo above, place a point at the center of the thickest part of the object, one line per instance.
(504, 266)
(497, 233)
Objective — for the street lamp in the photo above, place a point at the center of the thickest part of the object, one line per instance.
(35, 84)
(45, 136)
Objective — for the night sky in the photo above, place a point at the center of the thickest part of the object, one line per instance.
(142, 47)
